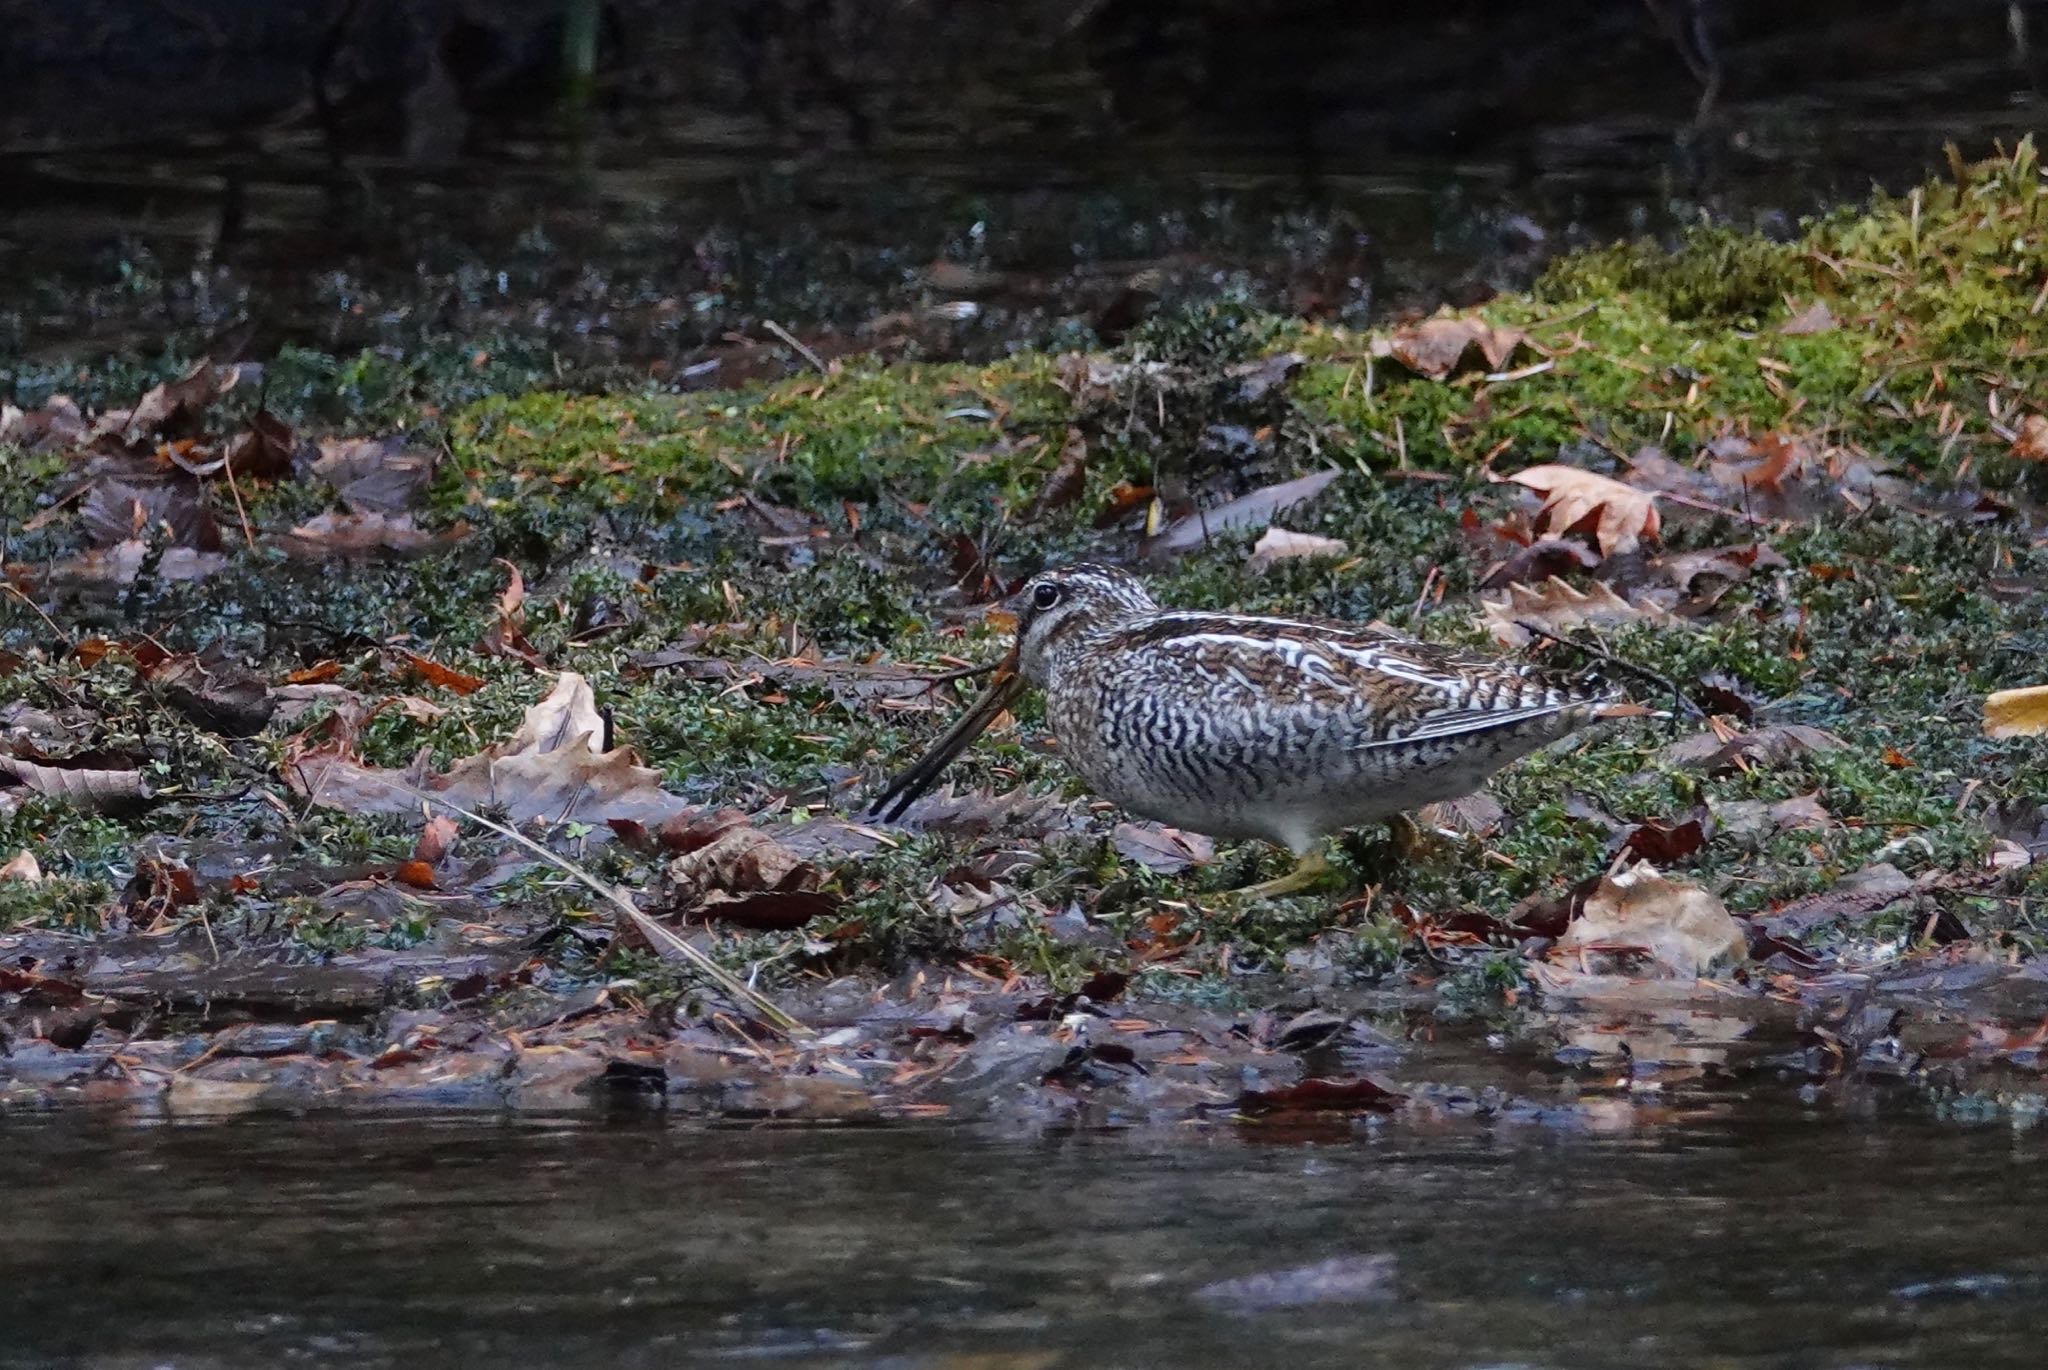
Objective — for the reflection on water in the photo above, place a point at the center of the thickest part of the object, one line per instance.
(1787, 1241)
(1039, 172)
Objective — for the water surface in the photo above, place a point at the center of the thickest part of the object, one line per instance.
(1781, 1239)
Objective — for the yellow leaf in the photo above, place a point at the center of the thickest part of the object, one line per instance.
(2017, 713)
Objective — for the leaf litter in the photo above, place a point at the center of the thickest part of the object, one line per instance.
(1696, 550)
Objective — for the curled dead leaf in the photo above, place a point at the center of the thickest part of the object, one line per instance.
(745, 877)
(1637, 913)
(214, 693)
(2031, 442)
(375, 475)
(1278, 544)
(362, 535)
(92, 791)
(1435, 348)
(553, 769)
(1063, 484)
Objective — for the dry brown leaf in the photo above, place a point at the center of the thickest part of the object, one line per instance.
(1477, 813)
(1619, 516)
(1166, 850)
(549, 770)
(1741, 817)
(89, 790)
(375, 475)
(1278, 544)
(437, 839)
(2031, 443)
(214, 693)
(739, 859)
(1557, 607)
(746, 877)
(1064, 483)
(58, 424)
(1435, 348)
(1719, 748)
(2017, 713)
(1763, 463)
(265, 450)
(1815, 318)
(170, 406)
(447, 677)
(1682, 928)
(23, 867)
(358, 535)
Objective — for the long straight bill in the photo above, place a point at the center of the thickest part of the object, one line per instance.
(1003, 689)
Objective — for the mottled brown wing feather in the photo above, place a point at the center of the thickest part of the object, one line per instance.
(1413, 690)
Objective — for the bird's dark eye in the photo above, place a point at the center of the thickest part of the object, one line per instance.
(1045, 596)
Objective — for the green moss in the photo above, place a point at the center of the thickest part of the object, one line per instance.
(826, 513)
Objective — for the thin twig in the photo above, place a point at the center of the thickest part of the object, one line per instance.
(783, 333)
(651, 930)
(1607, 658)
(241, 512)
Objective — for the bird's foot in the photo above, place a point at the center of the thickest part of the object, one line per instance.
(1307, 872)
(1408, 838)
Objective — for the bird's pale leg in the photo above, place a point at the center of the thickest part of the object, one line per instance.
(1309, 869)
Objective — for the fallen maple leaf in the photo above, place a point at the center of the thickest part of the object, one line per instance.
(2017, 713)
(1681, 927)
(551, 769)
(1434, 348)
(1619, 516)
(1558, 608)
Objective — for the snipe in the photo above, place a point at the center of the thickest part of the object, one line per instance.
(1240, 726)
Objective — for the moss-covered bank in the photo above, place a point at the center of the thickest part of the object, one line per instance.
(869, 514)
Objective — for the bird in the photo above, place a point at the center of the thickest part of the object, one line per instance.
(1246, 726)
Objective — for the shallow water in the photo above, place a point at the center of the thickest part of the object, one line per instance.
(1779, 1239)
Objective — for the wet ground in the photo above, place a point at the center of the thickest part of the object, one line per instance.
(382, 1136)
(1767, 1237)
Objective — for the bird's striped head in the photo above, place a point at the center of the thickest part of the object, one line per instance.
(1062, 605)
